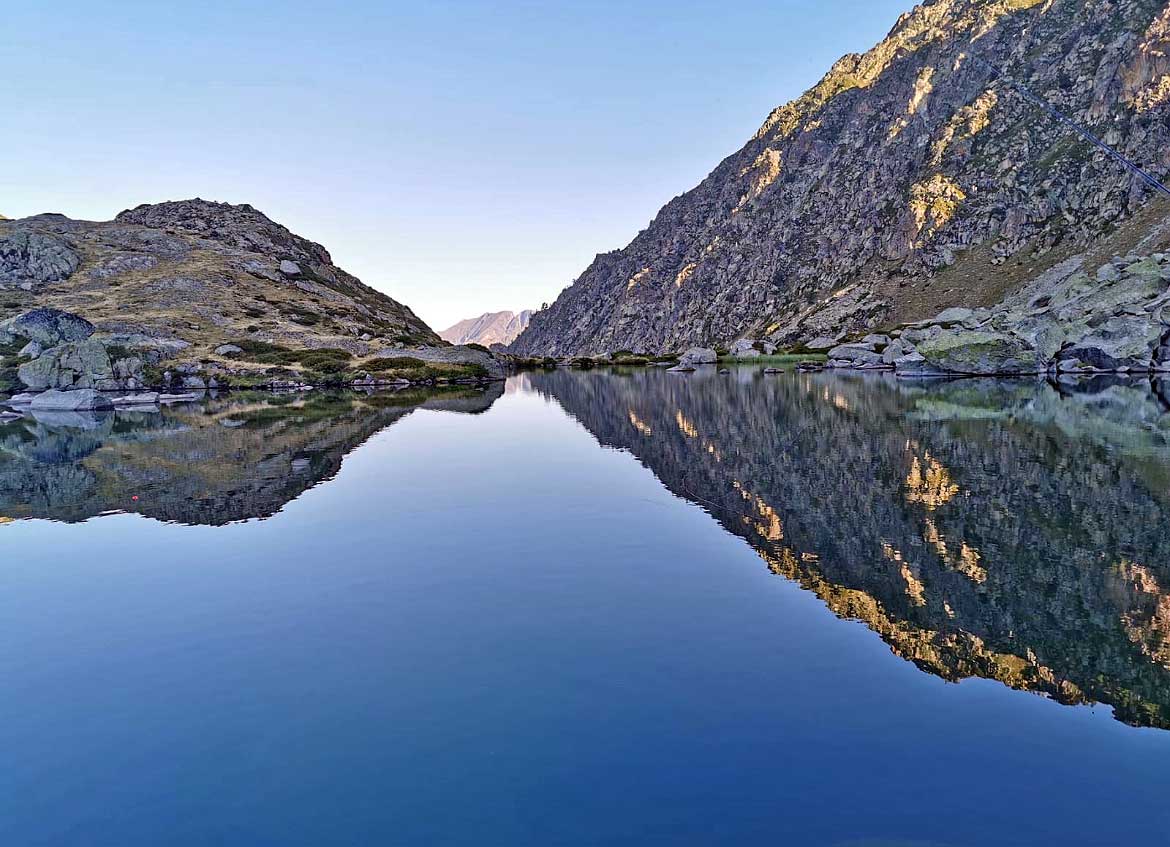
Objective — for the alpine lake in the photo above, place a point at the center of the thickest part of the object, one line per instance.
(605, 607)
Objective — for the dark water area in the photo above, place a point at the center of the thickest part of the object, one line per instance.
(592, 608)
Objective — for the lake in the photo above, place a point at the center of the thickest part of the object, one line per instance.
(593, 608)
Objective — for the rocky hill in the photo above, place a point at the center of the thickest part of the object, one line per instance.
(912, 178)
(195, 272)
(195, 293)
(489, 328)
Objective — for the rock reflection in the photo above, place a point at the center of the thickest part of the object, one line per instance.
(1008, 530)
(228, 459)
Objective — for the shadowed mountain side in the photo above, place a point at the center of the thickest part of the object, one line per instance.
(1001, 530)
(228, 460)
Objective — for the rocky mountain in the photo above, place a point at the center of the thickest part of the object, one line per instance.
(489, 328)
(910, 179)
(197, 274)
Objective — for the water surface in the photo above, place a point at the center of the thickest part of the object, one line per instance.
(592, 608)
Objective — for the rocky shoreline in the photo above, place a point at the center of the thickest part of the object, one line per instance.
(51, 359)
(1116, 320)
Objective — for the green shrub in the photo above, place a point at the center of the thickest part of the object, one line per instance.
(393, 363)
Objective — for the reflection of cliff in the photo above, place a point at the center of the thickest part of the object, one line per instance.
(240, 457)
(1001, 530)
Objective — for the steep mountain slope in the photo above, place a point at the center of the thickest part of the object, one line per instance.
(196, 274)
(910, 179)
(489, 328)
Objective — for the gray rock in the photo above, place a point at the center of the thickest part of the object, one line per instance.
(31, 350)
(744, 349)
(1108, 273)
(290, 268)
(29, 255)
(974, 352)
(954, 315)
(699, 356)
(20, 400)
(143, 398)
(193, 383)
(83, 400)
(50, 327)
(228, 350)
(82, 364)
(855, 355)
(681, 369)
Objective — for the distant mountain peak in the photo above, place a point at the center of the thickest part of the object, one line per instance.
(489, 328)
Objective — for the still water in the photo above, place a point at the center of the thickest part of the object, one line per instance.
(592, 608)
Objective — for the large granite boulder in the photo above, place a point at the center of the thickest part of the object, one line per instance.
(34, 256)
(979, 352)
(79, 364)
(49, 327)
(83, 400)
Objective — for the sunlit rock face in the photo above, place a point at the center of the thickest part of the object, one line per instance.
(243, 456)
(908, 180)
(1014, 531)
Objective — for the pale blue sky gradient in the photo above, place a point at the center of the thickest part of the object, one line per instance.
(461, 156)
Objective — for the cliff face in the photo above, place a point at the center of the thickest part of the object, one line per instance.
(196, 274)
(489, 328)
(910, 179)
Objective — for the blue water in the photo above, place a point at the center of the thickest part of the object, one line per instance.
(488, 628)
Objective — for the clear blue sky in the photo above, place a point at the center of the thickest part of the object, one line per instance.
(461, 156)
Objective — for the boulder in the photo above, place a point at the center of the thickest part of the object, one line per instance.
(20, 400)
(744, 349)
(82, 364)
(854, 355)
(290, 268)
(31, 350)
(49, 327)
(228, 350)
(699, 356)
(976, 352)
(954, 315)
(681, 368)
(32, 256)
(193, 383)
(83, 400)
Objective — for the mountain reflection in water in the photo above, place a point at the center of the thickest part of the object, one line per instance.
(1010, 530)
(1003, 529)
(228, 459)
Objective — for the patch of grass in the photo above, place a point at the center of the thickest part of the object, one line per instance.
(392, 363)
